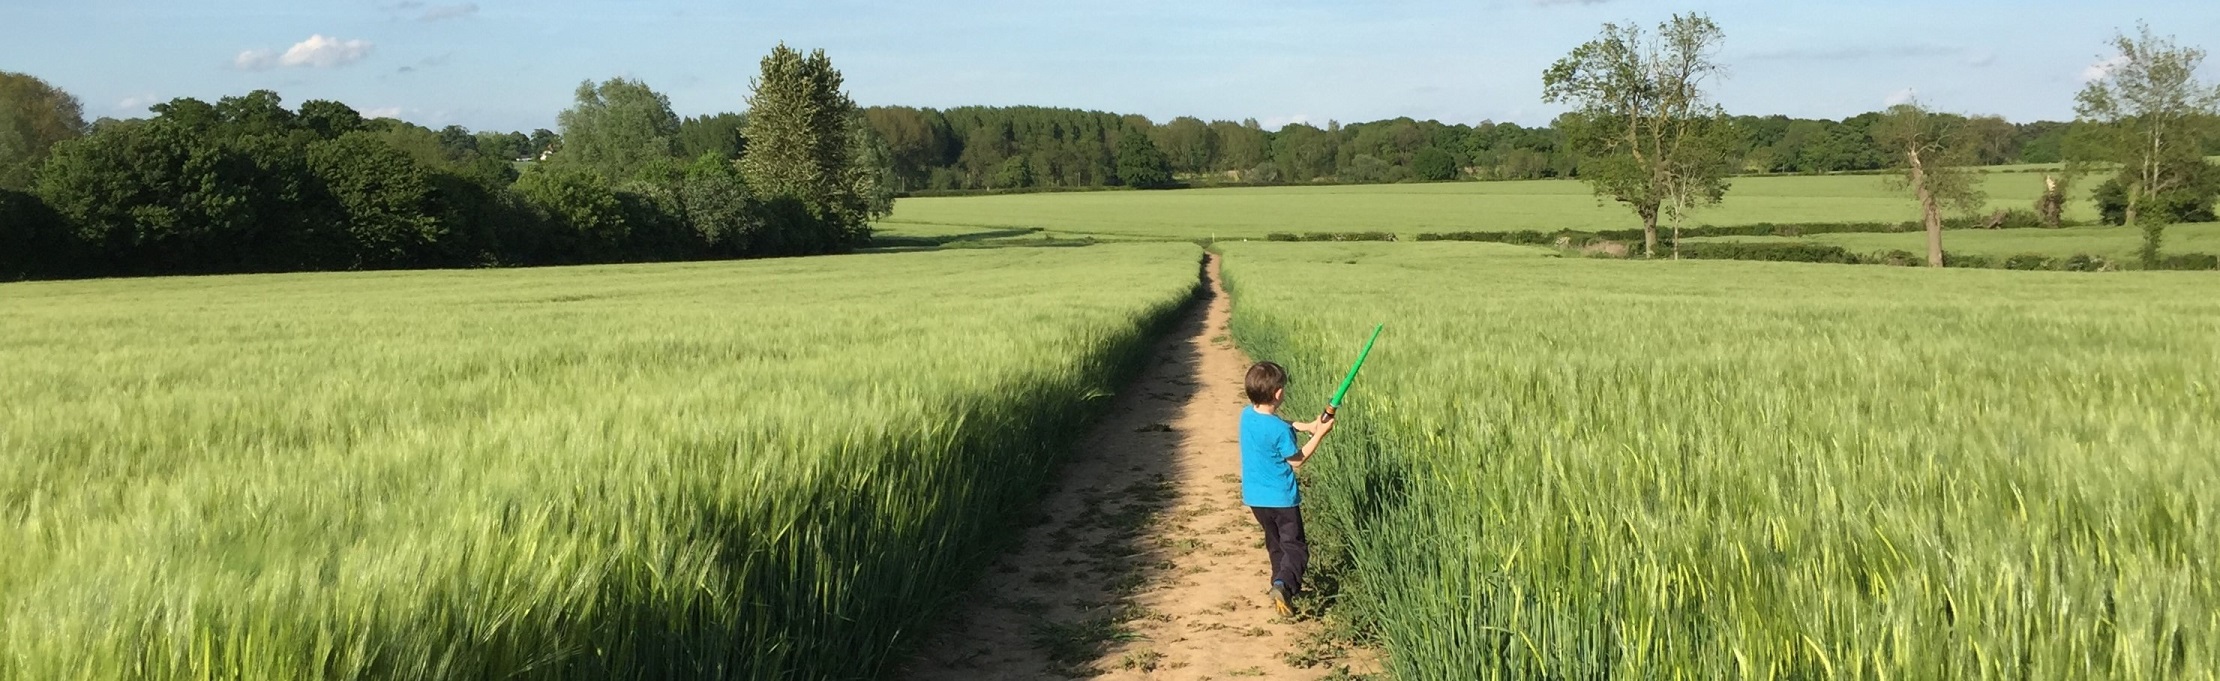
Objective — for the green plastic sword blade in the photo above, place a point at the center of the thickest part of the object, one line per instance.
(1352, 377)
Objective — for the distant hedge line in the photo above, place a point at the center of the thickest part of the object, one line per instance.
(1331, 236)
(2015, 219)
(1824, 253)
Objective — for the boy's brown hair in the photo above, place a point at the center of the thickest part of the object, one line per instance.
(1265, 381)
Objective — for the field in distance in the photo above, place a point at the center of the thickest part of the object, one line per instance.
(1411, 209)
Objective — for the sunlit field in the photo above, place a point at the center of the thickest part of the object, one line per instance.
(769, 469)
(1571, 468)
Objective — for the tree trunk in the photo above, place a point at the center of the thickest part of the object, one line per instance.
(1649, 230)
(1927, 207)
(2134, 199)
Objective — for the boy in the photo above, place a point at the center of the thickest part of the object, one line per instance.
(1269, 458)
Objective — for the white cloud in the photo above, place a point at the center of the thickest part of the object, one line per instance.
(444, 12)
(255, 60)
(322, 52)
(1904, 96)
(383, 112)
(318, 51)
(1277, 122)
(2103, 67)
(138, 103)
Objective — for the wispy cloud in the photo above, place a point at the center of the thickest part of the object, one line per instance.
(2103, 67)
(138, 103)
(427, 63)
(383, 112)
(445, 12)
(1857, 53)
(1904, 96)
(318, 51)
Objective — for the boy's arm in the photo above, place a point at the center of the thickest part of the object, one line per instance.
(1318, 432)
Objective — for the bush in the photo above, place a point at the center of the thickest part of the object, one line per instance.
(2030, 261)
(1524, 237)
(2190, 261)
(34, 240)
(1434, 165)
(1769, 252)
(2191, 203)
(1331, 236)
(2083, 262)
(1264, 173)
(1974, 260)
(1898, 257)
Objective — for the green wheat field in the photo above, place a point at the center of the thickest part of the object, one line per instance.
(1563, 468)
(1554, 468)
(730, 470)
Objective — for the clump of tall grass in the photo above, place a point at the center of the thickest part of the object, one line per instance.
(772, 469)
(1593, 469)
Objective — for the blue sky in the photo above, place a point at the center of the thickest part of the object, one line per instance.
(495, 64)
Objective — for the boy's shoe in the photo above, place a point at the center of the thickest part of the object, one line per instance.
(1279, 600)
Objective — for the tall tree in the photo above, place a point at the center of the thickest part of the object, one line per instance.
(1140, 164)
(1934, 152)
(871, 173)
(1240, 147)
(1188, 142)
(544, 141)
(801, 145)
(34, 116)
(2148, 115)
(718, 134)
(1647, 132)
(617, 128)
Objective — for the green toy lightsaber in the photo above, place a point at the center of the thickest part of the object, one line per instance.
(1335, 403)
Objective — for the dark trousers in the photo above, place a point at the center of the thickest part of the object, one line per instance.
(1284, 541)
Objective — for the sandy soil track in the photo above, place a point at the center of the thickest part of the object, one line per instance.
(1144, 564)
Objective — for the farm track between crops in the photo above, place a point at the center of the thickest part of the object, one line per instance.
(1142, 562)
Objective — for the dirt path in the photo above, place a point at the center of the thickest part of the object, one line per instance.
(1143, 563)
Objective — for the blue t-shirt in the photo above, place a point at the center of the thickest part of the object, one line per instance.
(1266, 444)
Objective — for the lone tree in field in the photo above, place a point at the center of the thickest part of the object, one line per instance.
(1648, 134)
(1935, 152)
(802, 147)
(2146, 114)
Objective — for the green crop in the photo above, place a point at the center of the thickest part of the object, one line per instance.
(773, 469)
(1569, 468)
(1410, 209)
(2118, 244)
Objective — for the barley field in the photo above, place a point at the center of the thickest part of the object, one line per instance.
(1565, 469)
(768, 469)
(1410, 209)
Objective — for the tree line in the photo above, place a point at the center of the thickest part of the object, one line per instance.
(246, 184)
(1017, 148)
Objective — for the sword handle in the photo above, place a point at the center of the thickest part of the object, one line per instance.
(1328, 416)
